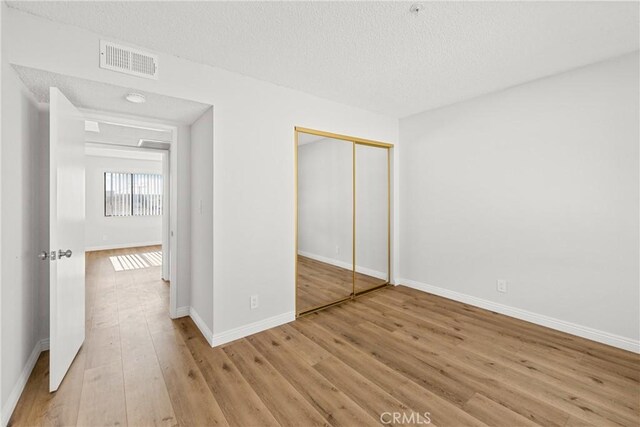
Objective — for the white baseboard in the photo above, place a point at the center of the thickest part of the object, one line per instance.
(183, 311)
(252, 328)
(16, 391)
(345, 265)
(121, 246)
(539, 319)
(204, 329)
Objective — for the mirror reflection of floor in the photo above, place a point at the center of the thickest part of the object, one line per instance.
(364, 282)
(320, 283)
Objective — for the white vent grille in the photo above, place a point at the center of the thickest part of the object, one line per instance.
(128, 60)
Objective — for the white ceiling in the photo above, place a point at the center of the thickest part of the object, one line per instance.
(126, 135)
(109, 98)
(375, 55)
(102, 150)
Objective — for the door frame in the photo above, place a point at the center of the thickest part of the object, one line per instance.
(170, 227)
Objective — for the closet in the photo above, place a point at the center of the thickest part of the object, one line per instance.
(343, 218)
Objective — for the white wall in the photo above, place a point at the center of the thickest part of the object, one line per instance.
(325, 201)
(180, 219)
(103, 232)
(2, 67)
(325, 205)
(537, 185)
(42, 194)
(253, 166)
(202, 221)
(20, 329)
(372, 204)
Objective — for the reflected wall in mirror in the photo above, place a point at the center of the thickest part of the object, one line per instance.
(372, 217)
(325, 221)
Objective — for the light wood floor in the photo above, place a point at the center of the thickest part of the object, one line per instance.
(320, 283)
(395, 350)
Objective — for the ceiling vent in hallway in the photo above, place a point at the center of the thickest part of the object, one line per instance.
(128, 60)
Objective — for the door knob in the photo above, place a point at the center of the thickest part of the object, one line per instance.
(62, 254)
(44, 255)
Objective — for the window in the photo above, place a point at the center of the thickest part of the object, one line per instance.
(132, 194)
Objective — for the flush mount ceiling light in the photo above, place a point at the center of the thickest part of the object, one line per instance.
(416, 8)
(136, 98)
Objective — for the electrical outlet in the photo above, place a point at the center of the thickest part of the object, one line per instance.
(501, 286)
(254, 302)
(337, 250)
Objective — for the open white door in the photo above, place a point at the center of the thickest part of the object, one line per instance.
(66, 233)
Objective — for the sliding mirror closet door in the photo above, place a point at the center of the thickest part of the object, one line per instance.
(372, 217)
(325, 221)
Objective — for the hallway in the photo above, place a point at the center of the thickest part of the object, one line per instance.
(117, 374)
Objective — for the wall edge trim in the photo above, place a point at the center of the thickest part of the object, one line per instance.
(202, 326)
(253, 328)
(18, 387)
(183, 312)
(589, 333)
(121, 246)
(345, 265)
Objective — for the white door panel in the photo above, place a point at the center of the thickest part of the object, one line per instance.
(66, 223)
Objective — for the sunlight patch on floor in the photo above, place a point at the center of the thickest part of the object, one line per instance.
(136, 261)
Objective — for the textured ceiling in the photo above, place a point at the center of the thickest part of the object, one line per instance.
(375, 55)
(109, 98)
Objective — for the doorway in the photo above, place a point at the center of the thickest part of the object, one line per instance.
(130, 205)
(72, 102)
(126, 224)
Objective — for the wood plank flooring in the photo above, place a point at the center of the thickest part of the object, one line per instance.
(320, 283)
(393, 351)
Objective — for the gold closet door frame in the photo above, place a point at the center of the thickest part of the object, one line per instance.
(355, 141)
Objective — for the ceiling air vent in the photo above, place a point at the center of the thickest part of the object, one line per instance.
(128, 60)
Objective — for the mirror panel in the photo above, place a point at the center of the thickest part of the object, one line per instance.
(372, 217)
(325, 221)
